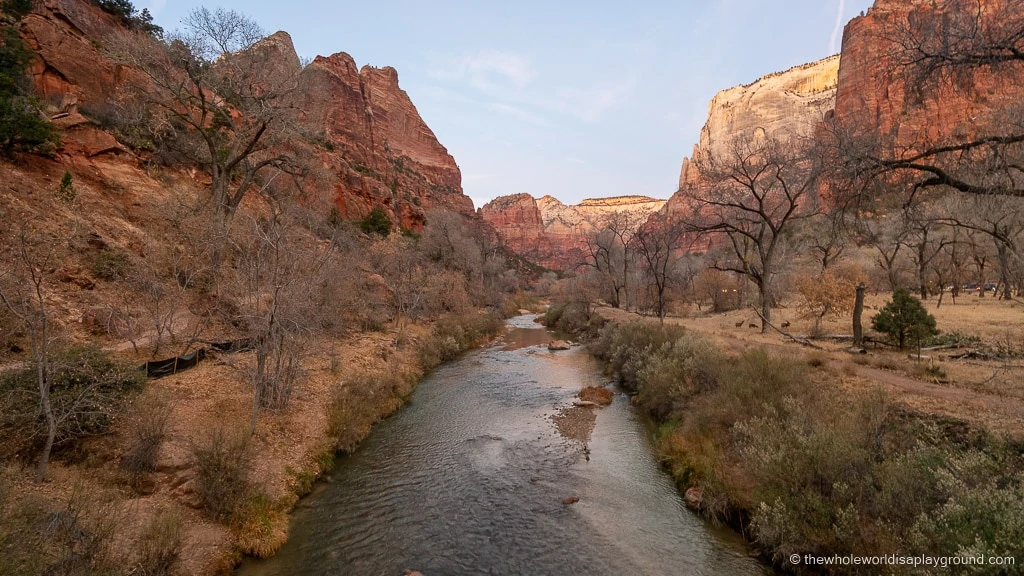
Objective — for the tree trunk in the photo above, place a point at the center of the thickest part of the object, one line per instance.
(858, 311)
(1004, 272)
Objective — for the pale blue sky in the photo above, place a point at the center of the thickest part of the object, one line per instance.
(574, 99)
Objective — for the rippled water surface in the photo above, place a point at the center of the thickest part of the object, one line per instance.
(470, 478)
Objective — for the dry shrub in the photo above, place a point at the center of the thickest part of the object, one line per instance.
(146, 433)
(597, 394)
(828, 294)
(817, 359)
(721, 290)
(259, 526)
(76, 539)
(452, 335)
(367, 397)
(159, 545)
(803, 468)
(223, 465)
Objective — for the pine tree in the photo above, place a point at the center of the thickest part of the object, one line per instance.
(904, 318)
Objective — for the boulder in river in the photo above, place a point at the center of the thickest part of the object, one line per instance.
(559, 345)
(693, 497)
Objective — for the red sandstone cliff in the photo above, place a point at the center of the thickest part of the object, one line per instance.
(552, 234)
(371, 147)
(877, 96)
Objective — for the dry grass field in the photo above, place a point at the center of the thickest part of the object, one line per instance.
(986, 388)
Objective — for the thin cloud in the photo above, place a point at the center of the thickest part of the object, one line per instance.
(575, 160)
(518, 113)
(486, 70)
(837, 29)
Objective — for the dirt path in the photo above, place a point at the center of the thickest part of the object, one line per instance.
(996, 412)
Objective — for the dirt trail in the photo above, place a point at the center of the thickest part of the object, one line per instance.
(996, 412)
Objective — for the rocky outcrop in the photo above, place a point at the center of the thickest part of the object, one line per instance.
(368, 145)
(517, 221)
(876, 95)
(372, 145)
(782, 104)
(66, 35)
(553, 234)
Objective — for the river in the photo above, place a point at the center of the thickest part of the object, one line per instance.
(471, 477)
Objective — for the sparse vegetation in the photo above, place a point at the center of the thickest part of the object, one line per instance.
(23, 126)
(803, 469)
(66, 192)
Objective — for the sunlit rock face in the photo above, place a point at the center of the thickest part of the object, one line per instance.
(373, 144)
(363, 137)
(878, 96)
(790, 103)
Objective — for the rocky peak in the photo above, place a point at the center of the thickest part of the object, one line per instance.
(781, 104)
(372, 146)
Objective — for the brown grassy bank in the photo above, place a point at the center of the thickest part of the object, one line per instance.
(779, 448)
(214, 493)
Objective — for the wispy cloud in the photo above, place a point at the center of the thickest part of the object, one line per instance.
(487, 70)
(575, 160)
(513, 87)
(517, 112)
(837, 29)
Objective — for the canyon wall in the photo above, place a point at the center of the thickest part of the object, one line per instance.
(552, 234)
(369, 146)
(881, 97)
(782, 104)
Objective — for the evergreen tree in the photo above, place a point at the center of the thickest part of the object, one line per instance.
(22, 123)
(376, 222)
(904, 318)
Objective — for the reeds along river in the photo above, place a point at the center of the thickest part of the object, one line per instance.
(471, 476)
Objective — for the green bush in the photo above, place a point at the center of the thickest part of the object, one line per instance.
(376, 222)
(23, 126)
(66, 192)
(903, 319)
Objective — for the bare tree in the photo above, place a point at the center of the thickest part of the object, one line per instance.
(212, 96)
(609, 250)
(757, 194)
(926, 239)
(944, 49)
(23, 292)
(279, 276)
(657, 245)
(1002, 220)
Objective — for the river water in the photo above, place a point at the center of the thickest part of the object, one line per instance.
(471, 477)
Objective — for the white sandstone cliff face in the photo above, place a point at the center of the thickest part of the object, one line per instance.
(782, 104)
